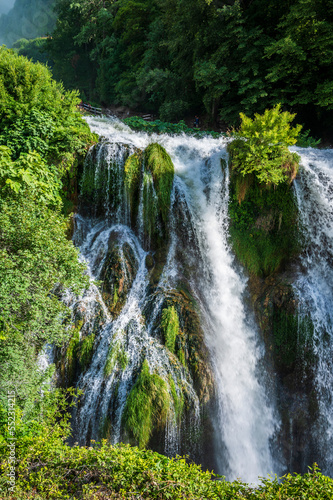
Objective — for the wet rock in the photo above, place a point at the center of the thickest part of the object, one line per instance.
(118, 273)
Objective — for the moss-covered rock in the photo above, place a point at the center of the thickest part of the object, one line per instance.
(132, 175)
(159, 163)
(189, 345)
(170, 327)
(116, 358)
(147, 406)
(117, 274)
(289, 345)
(264, 229)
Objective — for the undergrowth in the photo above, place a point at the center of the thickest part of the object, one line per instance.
(160, 127)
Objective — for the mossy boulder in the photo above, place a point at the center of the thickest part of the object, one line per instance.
(264, 226)
(132, 177)
(147, 406)
(117, 275)
(158, 162)
(188, 342)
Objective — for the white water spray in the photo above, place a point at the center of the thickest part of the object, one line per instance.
(314, 191)
(246, 415)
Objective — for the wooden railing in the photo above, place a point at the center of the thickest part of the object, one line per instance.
(91, 109)
(148, 118)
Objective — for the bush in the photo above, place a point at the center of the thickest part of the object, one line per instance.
(261, 145)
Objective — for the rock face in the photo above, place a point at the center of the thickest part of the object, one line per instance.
(267, 240)
(138, 349)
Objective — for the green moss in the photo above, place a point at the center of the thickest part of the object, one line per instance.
(147, 406)
(181, 356)
(71, 352)
(132, 171)
(150, 207)
(86, 350)
(116, 356)
(115, 296)
(159, 163)
(170, 327)
(264, 224)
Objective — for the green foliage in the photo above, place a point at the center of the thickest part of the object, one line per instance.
(48, 468)
(32, 49)
(261, 147)
(305, 140)
(178, 59)
(170, 327)
(45, 135)
(28, 173)
(300, 55)
(147, 406)
(311, 485)
(159, 163)
(160, 127)
(37, 115)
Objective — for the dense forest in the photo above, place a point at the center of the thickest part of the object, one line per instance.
(128, 324)
(212, 58)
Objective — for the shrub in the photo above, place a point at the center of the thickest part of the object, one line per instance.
(261, 145)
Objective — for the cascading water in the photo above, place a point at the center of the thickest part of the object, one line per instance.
(314, 191)
(198, 255)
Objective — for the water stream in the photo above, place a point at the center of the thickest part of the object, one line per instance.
(314, 190)
(245, 421)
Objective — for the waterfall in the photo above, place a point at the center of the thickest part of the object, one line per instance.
(314, 191)
(128, 313)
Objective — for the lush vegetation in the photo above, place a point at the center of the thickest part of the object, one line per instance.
(50, 469)
(263, 212)
(159, 127)
(45, 139)
(198, 56)
(261, 145)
